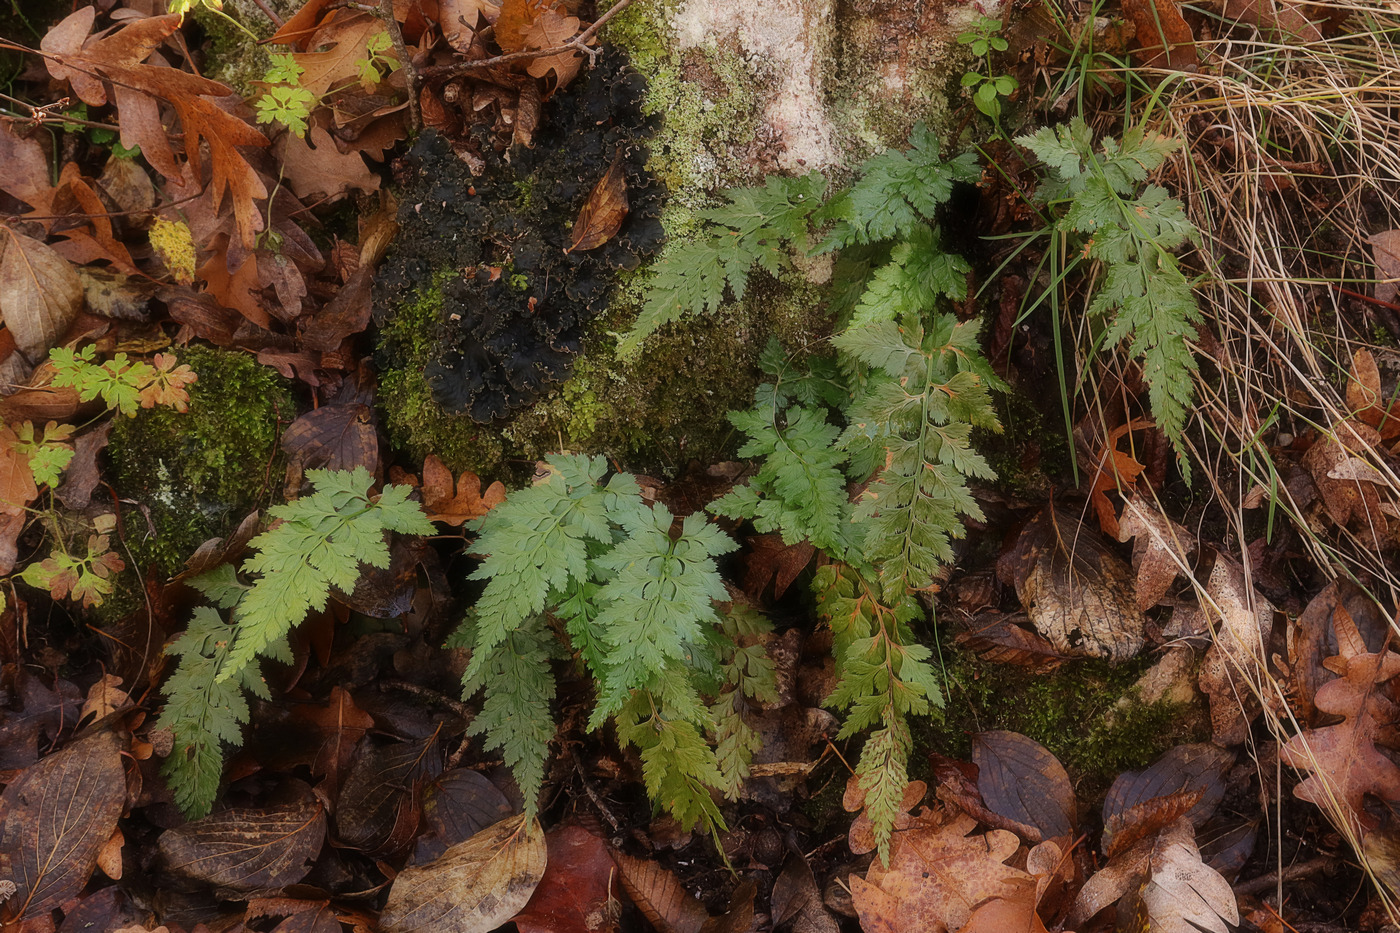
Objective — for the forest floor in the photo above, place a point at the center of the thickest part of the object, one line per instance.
(423, 509)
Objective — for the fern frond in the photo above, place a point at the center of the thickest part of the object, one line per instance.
(319, 545)
(515, 716)
(916, 417)
(750, 673)
(678, 766)
(918, 274)
(800, 489)
(202, 712)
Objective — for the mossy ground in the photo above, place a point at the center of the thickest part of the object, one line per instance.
(1073, 712)
(199, 473)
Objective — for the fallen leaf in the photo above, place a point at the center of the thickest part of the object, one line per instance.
(247, 850)
(58, 816)
(456, 806)
(603, 212)
(577, 893)
(1020, 779)
(996, 637)
(104, 697)
(798, 901)
(937, 874)
(1241, 620)
(468, 502)
(1163, 877)
(1164, 39)
(110, 858)
(1314, 638)
(32, 709)
(316, 170)
(1197, 769)
(338, 727)
(1076, 591)
(660, 896)
(1279, 16)
(1160, 549)
(550, 30)
(1117, 470)
(378, 807)
(473, 887)
(514, 21)
(1343, 761)
(301, 916)
(769, 558)
(40, 293)
(1385, 248)
(338, 436)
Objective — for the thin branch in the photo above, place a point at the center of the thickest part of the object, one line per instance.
(386, 13)
(577, 44)
(271, 13)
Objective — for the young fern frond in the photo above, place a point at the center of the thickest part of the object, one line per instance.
(924, 396)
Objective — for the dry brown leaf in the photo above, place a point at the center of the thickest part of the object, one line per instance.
(514, 21)
(468, 503)
(244, 851)
(551, 30)
(1314, 639)
(40, 293)
(1165, 878)
(1160, 548)
(58, 816)
(316, 170)
(345, 315)
(798, 901)
(1385, 248)
(1197, 771)
(1241, 620)
(770, 559)
(17, 487)
(110, 858)
(1365, 398)
(1020, 779)
(344, 41)
(1076, 591)
(603, 212)
(474, 887)
(1282, 16)
(1164, 39)
(997, 637)
(378, 806)
(24, 170)
(104, 697)
(459, 20)
(660, 896)
(1117, 470)
(1343, 759)
(937, 874)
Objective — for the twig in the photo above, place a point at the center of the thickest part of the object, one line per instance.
(577, 44)
(457, 706)
(271, 13)
(597, 801)
(1291, 873)
(386, 13)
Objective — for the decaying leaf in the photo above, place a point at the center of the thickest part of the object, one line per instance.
(105, 697)
(797, 901)
(1160, 548)
(457, 805)
(245, 851)
(997, 637)
(1196, 770)
(473, 887)
(466, 504)
(1241, 620)
(1076, 591)
(378, 804)
(550, 30)
(937, 874)
(578, 893)
(660, 896)
(604, 211)
(1385, 249)
(1163, 884)
(1344, 763)
(58, 816)
(1164, 39)
(769, 558)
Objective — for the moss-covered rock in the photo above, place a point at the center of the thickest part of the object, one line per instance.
(198, 473)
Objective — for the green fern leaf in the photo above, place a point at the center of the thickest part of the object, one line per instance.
(919, 272)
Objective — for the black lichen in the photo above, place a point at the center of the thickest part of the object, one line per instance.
(515, 306)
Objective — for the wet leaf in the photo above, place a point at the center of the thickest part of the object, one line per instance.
(577, 893)
(769, 558)
(473, 887)
(301, 916)
(1077, 592)
(58, 816)
(1020, 779)
(660, 896)
(996, 637)
(603, 212)
(456, 806)
(249, 850)
(32, 709)
(40, 293)
(83, 473)
(339, 726)
(468, 502)
(378, 804)
(797, 900)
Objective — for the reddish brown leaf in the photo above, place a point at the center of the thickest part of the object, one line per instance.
(995, 636)
(468, 503)
(514, 21)
(577, 893)
(798, 901)
(343, 316)
(318, 171)
(603, 212)
(660, 896)
(769, 558)
(339, 726)
(1197, 770)
(1315, 638)
(17, 487)
(32, 709)
(551, 30)
(1164, 38)
(246, 851)
(58, 816)
(333, 437)
(83, 475)
(378, 804)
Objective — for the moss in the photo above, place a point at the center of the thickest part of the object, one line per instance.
(197, 474)
(416, 422)
(230, 54)
(1066, 711)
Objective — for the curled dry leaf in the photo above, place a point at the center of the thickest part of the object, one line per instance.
(1241, 620)
(660, 896)
(40, 293)
(473, 887)
(247, 850)
(1077, 592)
(1160, 548)
(604, 211)
(1198, 770)
(58, 816)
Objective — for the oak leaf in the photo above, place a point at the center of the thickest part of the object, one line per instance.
(1160, 548)
(467, 504)
(1343, 759)
(551, 30)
